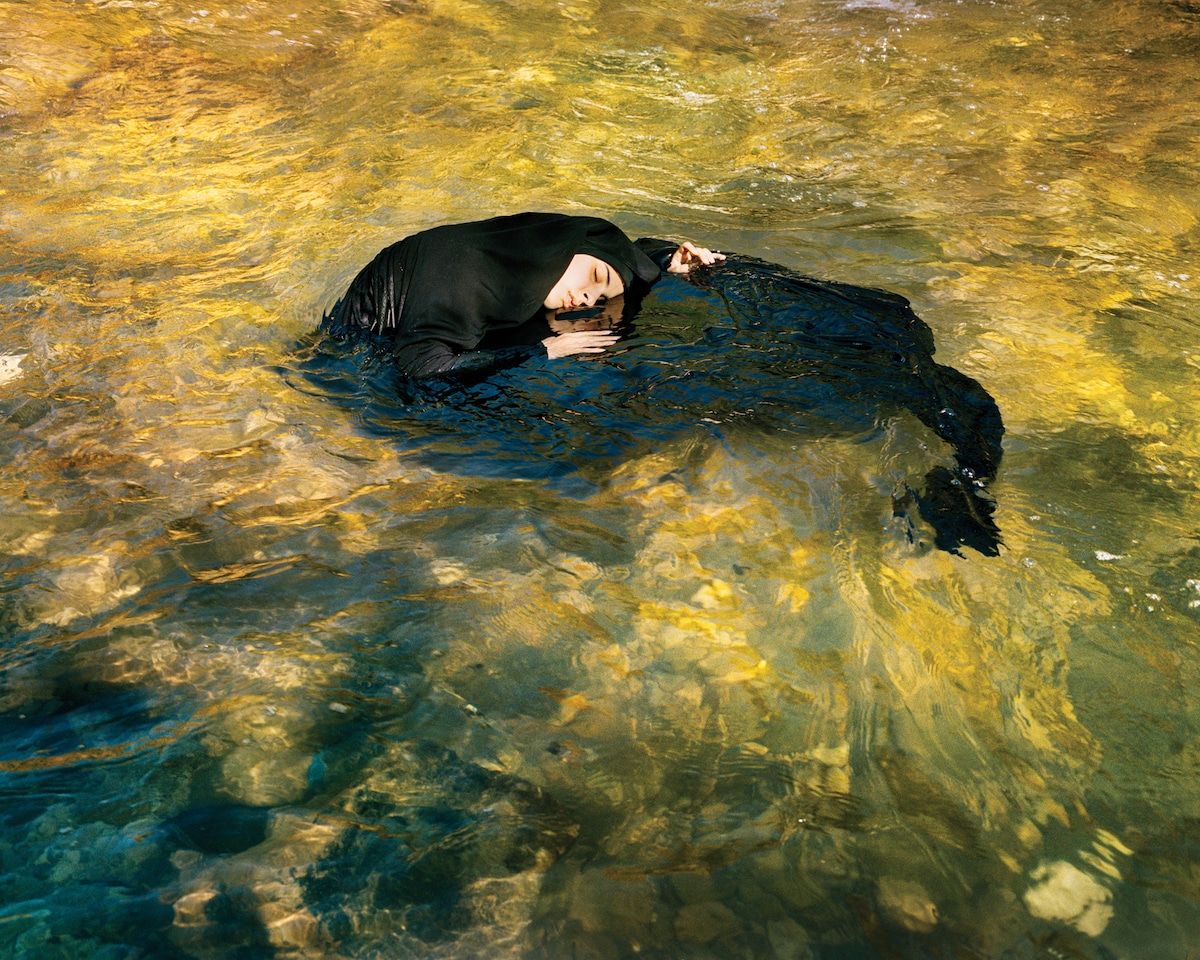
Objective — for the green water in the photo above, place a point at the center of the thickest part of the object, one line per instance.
(274, 687)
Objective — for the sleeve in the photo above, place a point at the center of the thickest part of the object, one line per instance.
(421, 359)
(659, 251)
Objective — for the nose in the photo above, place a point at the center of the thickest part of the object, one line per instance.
(586, 298)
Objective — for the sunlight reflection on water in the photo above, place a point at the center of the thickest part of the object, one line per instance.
(274, 684)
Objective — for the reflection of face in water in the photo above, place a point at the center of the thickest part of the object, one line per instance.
(604, 316)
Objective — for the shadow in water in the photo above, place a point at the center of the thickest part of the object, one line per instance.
(462, 825)
(745, 347)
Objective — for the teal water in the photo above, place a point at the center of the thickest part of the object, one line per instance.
(274, 685)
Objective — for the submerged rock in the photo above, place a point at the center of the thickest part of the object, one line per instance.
(10, 366)
(704, 922)
(1065, 893)
(431, 835)
(907, 904)
(218, 828)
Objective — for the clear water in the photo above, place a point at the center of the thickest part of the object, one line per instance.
(275, 685)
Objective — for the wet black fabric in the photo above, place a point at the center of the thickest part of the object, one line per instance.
(739, 350)
(437, 294)
(849, 349)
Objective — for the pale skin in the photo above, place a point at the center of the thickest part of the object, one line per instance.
(589, 280)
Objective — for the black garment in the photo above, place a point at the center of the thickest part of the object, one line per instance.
(439, 293)
(740, 347)
(834, 351)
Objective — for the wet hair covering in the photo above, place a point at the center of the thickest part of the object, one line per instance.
(438, 293)
(638, 272)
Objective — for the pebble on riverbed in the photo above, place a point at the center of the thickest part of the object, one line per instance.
(1065, 893)
(10, 366)
(908, 904)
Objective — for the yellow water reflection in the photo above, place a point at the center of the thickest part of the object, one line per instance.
(718, 704)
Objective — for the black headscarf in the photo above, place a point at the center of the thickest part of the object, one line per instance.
(455, 284)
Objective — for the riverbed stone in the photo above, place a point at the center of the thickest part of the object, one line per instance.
(703, 923)
(621, 908)
(1065, 893)
(788, 940)
(907, 904)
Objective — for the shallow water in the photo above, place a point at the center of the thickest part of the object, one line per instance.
(276, 683)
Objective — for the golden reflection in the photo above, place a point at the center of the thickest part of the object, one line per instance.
(787, 717)
(89, 754)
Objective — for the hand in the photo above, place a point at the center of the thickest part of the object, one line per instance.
(580, 341)
(688, 253)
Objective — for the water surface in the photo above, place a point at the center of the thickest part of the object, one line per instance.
(278, 683)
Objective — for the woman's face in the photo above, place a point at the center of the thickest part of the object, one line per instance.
(587, 280)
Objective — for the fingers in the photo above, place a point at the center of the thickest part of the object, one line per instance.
(580, 341)
(703, 254)
(688, 253)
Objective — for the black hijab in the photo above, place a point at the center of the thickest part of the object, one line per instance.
(458, 282)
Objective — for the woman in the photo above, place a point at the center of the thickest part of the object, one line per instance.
(782, 352)
(456, 298)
